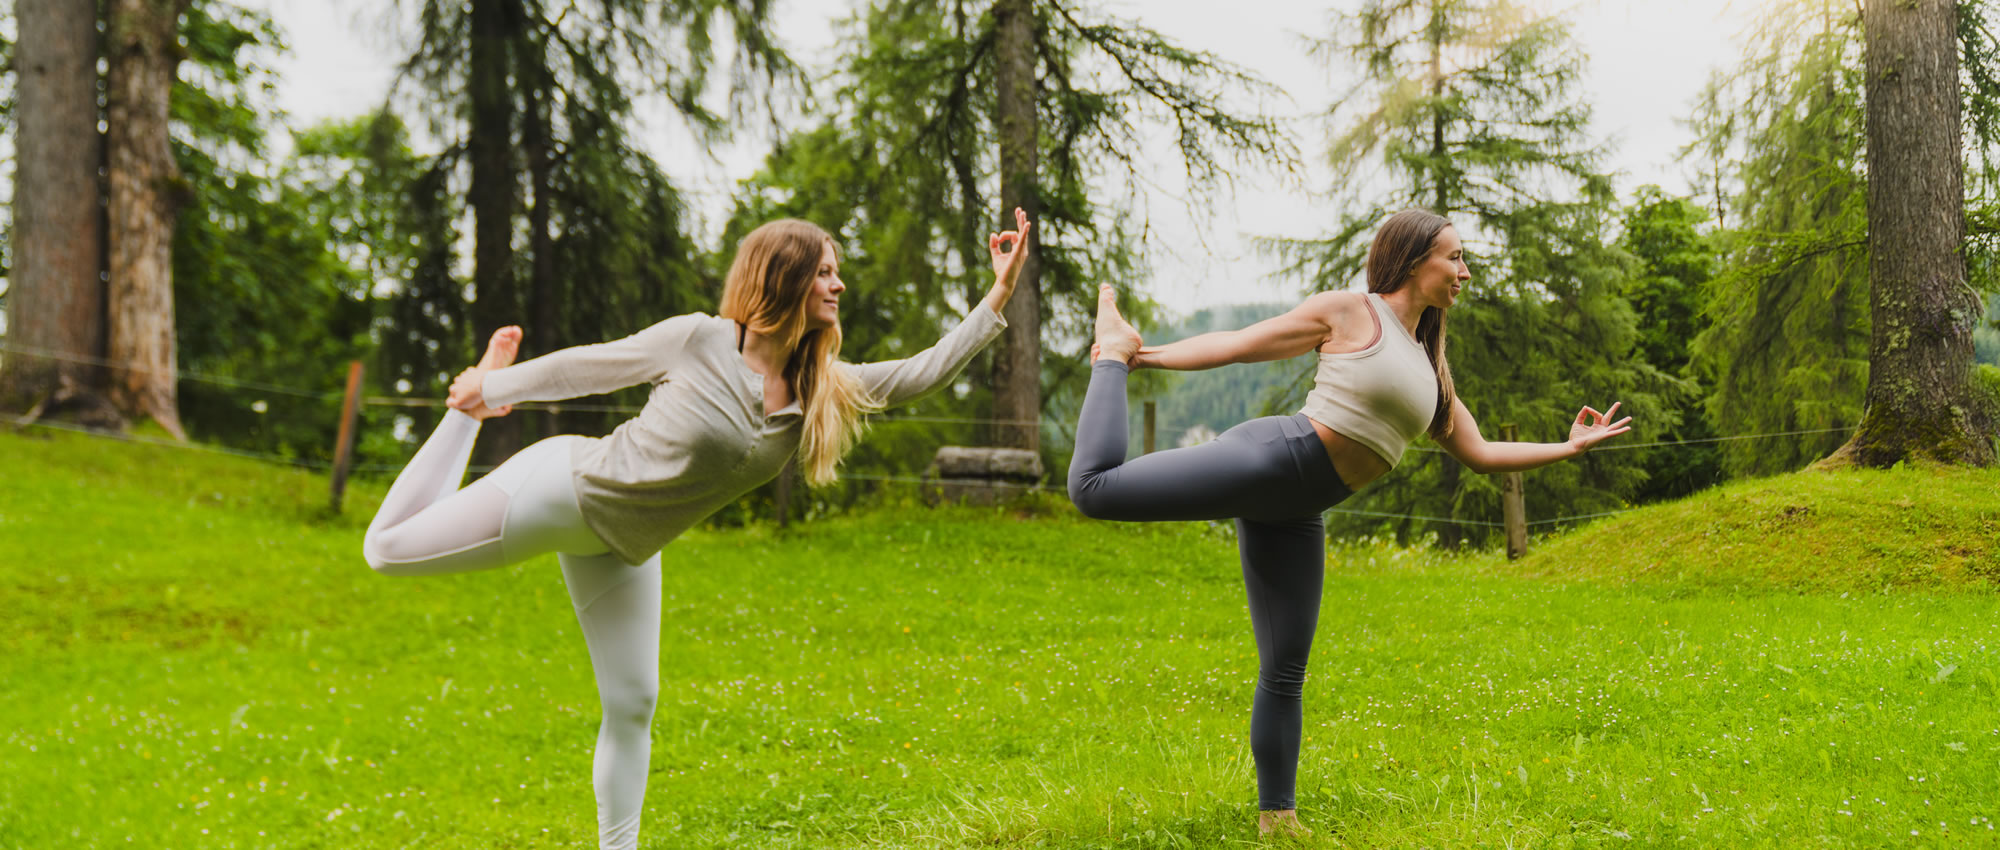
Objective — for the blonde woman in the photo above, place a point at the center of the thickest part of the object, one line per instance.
(734, 397)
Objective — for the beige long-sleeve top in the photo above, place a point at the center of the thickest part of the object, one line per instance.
(703, 437)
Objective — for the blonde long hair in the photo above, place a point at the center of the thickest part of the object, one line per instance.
(767, 288)
(1402, 242)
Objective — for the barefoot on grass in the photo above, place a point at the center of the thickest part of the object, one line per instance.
(1281, 824)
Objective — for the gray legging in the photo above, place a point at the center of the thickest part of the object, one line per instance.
(1273, 477)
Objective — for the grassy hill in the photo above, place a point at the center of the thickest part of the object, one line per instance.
(1854, 530)
(193, 655)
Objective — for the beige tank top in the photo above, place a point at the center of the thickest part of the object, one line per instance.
(1382, 396)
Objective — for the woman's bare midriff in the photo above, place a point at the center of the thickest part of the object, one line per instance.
(1357, 464)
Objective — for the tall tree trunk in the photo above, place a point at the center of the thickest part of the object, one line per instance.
(496, 303)
(1440, 202)
(56, 297)
(1920, 401)
(544, 305)
(1017, 368)
(144, 200)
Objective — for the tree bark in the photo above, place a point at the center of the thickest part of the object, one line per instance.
(544, 302)
(1017, 367)
(56, 295)
(496, 302)
(1921, 401)
(144, 200)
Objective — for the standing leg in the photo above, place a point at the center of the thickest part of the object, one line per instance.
(1284, 568)
(618, 607)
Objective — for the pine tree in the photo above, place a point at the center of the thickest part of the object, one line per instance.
(1784, 135)
(1921, 400)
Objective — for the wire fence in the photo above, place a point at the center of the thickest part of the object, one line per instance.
(435, 403)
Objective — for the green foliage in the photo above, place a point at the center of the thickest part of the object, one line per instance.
(1787, 344)
(971, 679)
(265, 304)
(1469, 109)
(1782, 140)
(1663, 234)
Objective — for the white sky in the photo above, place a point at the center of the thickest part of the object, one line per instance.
(1649, 58)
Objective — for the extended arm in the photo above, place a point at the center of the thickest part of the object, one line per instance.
(893, 382)
(1486, 458)
(1293, 333)
(641, 358)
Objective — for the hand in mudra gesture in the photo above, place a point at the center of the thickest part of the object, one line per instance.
(1591, 427)
(1010, 250)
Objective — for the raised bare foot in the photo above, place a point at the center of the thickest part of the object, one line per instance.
(1116, 340)
(1282, 823)
(501, 349)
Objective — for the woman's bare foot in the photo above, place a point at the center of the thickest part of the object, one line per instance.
(1281, 823)
(502, 348)
(1116, 340)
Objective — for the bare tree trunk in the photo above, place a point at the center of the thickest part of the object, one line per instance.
(145, 196)
(1017, 367)
(56, 296)
(496, 303)
(544, 307)
(1921, 401)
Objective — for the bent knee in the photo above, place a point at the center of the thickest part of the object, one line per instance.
(1095, 502)
(379, 549)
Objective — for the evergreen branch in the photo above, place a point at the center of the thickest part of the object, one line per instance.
(1140, 54)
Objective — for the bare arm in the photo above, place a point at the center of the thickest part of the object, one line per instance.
(1296, 332)
(1486, 458)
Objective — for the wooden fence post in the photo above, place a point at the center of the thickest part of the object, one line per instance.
(343, 445)
(1513, 505)
(1152, 418)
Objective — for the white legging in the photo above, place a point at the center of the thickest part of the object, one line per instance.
(527, 507)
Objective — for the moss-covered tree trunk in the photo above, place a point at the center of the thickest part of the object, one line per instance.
(1017, 367)
(55, 309)
(1921, 401)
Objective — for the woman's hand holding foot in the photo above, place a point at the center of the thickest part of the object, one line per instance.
(467, 390)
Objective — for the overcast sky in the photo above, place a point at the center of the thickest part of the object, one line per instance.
(1649, 58)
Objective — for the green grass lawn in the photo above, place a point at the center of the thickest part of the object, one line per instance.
(194, 655)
